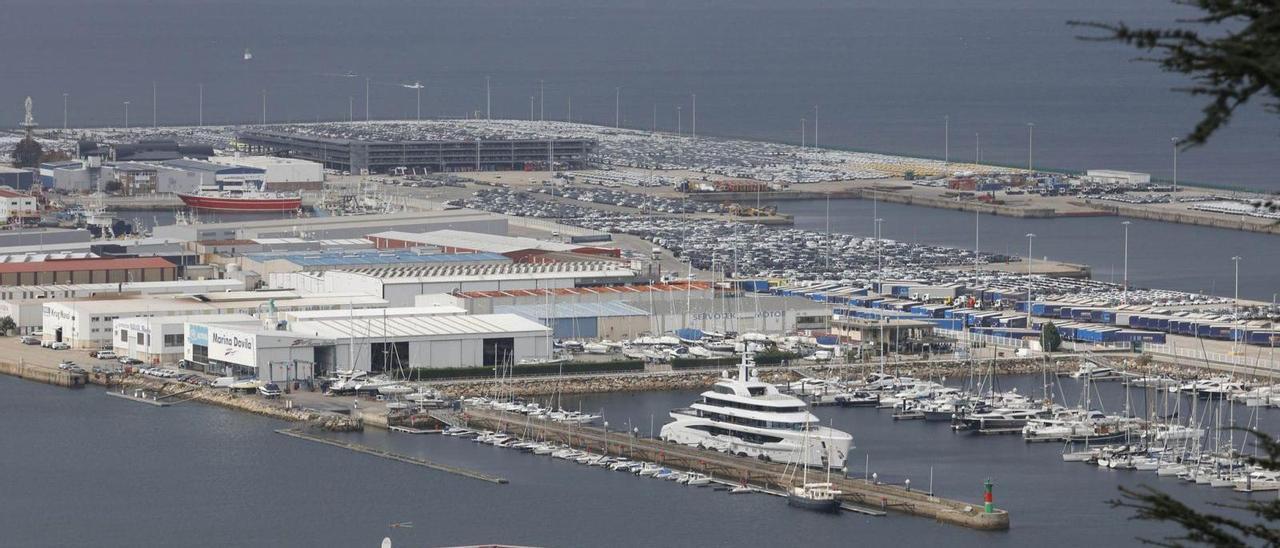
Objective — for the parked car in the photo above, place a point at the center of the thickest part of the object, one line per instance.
(126, 360)
(30, 339)
(223, 382)
(66, 364)
(270, 390)
(105, 355)
(59, 346)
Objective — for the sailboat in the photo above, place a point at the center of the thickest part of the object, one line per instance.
(820, 497)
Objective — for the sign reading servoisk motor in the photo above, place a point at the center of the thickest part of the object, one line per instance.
(232, 346)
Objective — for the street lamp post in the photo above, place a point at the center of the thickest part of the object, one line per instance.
(946, 139)
(64, 111)
(1030, 237)
(1031, 142)
(879, 264)
(1235, 305)
(1126, 261)
(126, 115)
(1175, 141)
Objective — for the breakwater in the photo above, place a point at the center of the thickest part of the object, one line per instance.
(257, 406)
(45, 375)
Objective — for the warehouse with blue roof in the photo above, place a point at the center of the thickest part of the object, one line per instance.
(611, 320)
(313, 261)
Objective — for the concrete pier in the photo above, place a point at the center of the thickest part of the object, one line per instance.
(742, 470)
(464, 472)
(45, 375)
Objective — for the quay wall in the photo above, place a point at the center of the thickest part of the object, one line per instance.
(1247, 224)
(45, 375)
(185, 392)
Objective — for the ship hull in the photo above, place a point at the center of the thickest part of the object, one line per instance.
(240, 204)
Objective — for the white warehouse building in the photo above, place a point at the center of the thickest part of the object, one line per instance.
(318, 347)
(281, 173)
(400, 286)
(160, 340)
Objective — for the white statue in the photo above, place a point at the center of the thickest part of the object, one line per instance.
(28, 120)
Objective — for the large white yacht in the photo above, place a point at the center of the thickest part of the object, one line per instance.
(745, 416)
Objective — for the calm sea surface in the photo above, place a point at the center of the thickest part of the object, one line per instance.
(1161, 255)
(882, 73)
(83, 469)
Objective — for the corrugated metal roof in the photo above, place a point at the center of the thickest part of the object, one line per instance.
(86, 264)
(606, 309)
(420, 326)
(475, 240)
(374, 257)
(416, 274)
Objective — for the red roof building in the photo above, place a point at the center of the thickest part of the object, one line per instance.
(85, 271)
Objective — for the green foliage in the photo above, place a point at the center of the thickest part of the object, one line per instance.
(1236, 60)
(434, 373)
(772, 357)
(1203, 528)
(27, 153)
(113, 186)
(6, 324)
(1050, 339)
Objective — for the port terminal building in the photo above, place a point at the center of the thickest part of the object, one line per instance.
(25, 304)
(359, 156)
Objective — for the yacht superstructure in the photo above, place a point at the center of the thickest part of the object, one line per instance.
(745, 416)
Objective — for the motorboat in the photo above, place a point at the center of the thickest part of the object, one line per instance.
(747, 417)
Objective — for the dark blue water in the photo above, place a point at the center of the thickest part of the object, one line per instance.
(1161, 255)
(82, 469)
(883, 73)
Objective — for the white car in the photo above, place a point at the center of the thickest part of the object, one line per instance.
(223, 382)
(105, 355)
(59, 346)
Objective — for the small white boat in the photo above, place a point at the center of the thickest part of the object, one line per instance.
(741, 490)
(696, 479)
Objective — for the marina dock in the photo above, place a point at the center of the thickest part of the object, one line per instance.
(457, 470)
(767, 476)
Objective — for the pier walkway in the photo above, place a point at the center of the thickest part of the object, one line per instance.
(725, 467)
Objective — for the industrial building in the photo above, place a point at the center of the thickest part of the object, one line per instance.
(486, 302)
(88, 324)
(150, 150)
(1115, 177)
(84, 271)
(161, 340)
(361, 156)
(519, 249)
(67, 176)
(320, 346)
(184, 175)
(16, 207)
(316, 261)
(21, 179)
(25, 304)
(401, 285)
(609, 320)
(281, 174)
(230, 249)
(369, 314)
(134, 177)
(353, 226)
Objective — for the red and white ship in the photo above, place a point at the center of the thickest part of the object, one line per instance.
(241, 197)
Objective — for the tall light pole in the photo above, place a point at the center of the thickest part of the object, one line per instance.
(351, 108)
(200, 106)
(617, 107)
(1030, 237)
(879, 263)
(153, 103)
(264, 107)
(542, 100)
(366, 98)
(126, 115)
(694, 131)
(977, 239)
(946, 139)
(1235, 305)
(1175, 163)
(679, 120)
(815, 126)
(1126, 261)
(487, 99)
(1031, 143)
(977, 148)
(803, 132)
(64, 111)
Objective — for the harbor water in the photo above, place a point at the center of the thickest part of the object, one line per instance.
(194, 475)
(882, 74)
(1161, 255)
